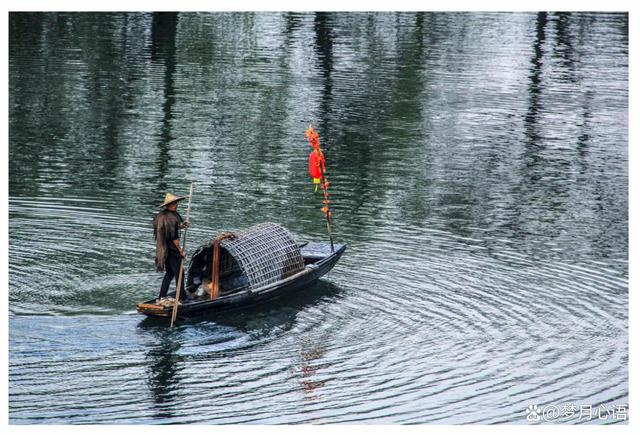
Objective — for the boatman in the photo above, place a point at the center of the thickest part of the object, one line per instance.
(169, 253)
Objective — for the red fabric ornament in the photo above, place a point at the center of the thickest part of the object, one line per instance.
(316, 164)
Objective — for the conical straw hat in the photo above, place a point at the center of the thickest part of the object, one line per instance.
(169, 198)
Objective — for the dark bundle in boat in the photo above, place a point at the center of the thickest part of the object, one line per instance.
(253, 265)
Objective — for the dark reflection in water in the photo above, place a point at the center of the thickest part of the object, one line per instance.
(534, 88)
(564, 48)
(163, 51)
(164, 371)
(479, 176)
(324, 48)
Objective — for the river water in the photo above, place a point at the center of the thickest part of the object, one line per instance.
(479, 178)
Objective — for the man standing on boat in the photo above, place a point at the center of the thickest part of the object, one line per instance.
(166, 232)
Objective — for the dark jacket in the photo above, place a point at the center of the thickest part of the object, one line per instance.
(166, 229)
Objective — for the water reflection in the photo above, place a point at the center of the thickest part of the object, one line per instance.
(585, 128)
(479, 165)
(531, 118)
(324, 49)
(564, 46)
(163, 51)
(306, 367)
(163, 363)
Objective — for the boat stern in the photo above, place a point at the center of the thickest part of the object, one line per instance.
(153, 309)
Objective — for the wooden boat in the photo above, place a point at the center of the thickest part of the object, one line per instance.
(254, 265)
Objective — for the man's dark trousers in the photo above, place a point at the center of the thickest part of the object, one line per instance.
(172, 270)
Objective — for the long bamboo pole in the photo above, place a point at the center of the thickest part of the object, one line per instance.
(174, 313)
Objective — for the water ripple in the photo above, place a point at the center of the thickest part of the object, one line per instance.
(479, 175)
